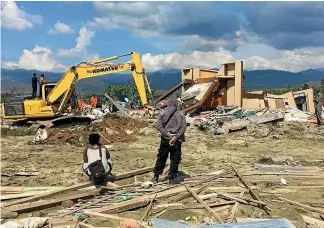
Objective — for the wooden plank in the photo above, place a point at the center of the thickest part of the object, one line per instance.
(207, 208)
(29, 189)
(202, 188)
(94, 203)
(320, 211)
(140, 201)
(20, 174)
(114, 217)
(82, 185)
(21, 195)
(160, 213)
(149, 207)
(231, 197)
(312, 221)
(42, 204)
(49, 194)
(234, 209)
(254, 196)
(253, 200)
(180, 206)
(134, 173)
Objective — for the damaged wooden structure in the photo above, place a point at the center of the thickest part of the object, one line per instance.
(152, 201)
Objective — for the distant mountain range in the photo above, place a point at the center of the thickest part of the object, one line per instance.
(164, 79)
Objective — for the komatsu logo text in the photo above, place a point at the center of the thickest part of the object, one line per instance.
(103, 69)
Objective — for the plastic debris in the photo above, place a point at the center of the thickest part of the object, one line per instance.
(125, 198)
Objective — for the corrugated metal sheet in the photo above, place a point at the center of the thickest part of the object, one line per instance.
(272, 223)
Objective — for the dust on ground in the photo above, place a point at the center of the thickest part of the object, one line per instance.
(59, 164)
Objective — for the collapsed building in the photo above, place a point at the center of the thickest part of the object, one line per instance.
(206, 89)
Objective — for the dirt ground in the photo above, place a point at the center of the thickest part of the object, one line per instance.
(60, 164)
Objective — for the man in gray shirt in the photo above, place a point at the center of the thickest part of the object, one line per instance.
(171, 123)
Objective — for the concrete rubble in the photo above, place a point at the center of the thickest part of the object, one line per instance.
(234, 120)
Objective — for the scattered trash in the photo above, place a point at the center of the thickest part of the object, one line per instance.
(147, 184)
(283, 181)
(125, 198)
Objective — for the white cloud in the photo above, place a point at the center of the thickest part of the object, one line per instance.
(60, 28)
(82, 41)
(91, 57)
(40, 58)
(294, 61)
(195, 59)
(16, 19)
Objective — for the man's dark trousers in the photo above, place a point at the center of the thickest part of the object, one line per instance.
(163, 154)
(34, 91)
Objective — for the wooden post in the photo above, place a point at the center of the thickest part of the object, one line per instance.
(234, 209)
(320, 211)
(148, 208)
(207, 208)
(254, 196)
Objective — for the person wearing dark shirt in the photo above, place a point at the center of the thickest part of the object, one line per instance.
(34, 85)
(171, 124)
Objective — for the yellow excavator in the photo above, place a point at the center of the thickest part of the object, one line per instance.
(57, 98)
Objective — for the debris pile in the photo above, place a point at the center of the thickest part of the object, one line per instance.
(259, 124)
(112, 129)
(140, 204)
(235, 119)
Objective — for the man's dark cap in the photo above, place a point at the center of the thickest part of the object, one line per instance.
(34, 74)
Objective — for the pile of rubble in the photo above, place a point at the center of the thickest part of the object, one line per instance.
(112, 129)
(259, 124)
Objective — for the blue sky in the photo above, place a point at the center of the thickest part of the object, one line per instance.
(51, 36)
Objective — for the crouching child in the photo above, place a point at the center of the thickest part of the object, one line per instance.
(97, 163)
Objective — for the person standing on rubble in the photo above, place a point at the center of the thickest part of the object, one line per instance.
(318, 107)
(34, 85)
(97, 162)
(93, 101)
(171, 123)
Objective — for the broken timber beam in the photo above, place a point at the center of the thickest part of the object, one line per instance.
(234, 209)
(202, 188)
(79, 186)
(207, 208)
(231, 197)
(140, 201)
(320, 211)
(202, 183)
(94, 203)
(49, 194)
(148, 209)
(254, 196)
(42, 204)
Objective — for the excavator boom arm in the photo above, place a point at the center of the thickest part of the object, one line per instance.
(93, 69)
